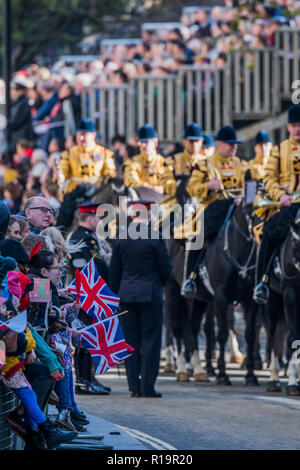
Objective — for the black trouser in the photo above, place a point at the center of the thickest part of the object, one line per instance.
(39, 378)
(83, 365)
(142, 328)
(274, 233)
(214, 218)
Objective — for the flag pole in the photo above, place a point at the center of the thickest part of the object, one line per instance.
(114, 316)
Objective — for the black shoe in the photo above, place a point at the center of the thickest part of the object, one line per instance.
(79, 417)
(88, 388)
(261, 293)
(135, 394)
(34, 440)
(153, 394)
(78, 425)
(98, 384)
(54, 437)
(188, 288)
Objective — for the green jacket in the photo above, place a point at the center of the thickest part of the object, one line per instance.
(44, 353)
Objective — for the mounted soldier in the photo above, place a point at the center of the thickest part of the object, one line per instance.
(146, 168)
(86, 162)
(178, 167)
(282, 181)
(215, 181)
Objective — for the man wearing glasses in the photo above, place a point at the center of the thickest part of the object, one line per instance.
(39, 214)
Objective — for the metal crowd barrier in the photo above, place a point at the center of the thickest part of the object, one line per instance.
(250, 87)
(254, 83)
(167, 102)
(287, 43)
(205, 97)
(8, 402)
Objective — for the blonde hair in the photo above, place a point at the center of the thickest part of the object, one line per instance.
(58, 245)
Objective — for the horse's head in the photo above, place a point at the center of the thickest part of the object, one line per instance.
(295, 236)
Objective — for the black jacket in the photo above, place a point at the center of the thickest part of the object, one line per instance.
(85, 254)
(139, 269)
(20, 123)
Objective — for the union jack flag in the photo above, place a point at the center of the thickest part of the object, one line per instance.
(96, 298)
(106, 344)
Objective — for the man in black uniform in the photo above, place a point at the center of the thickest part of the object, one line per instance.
(139, 268)
(86, 232)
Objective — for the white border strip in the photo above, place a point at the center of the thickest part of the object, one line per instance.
(153, 441)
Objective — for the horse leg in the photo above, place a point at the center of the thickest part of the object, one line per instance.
(209, 330)
(196, 318)
(173, 323)
(250, 310)
(273, 309)
(221, 304)
(236, 356)
(169, 347)
(258, 363)
(290, 307)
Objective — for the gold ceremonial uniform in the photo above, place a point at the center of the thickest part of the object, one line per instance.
(230, 169)
(256, 167)
(79, 165)
(177, 165)
(283, 169)
(144, 170)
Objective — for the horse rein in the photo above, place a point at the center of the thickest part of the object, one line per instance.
(296, 264)
(243, 269)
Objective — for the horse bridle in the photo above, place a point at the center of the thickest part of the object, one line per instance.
(242, 269)
(296, 264)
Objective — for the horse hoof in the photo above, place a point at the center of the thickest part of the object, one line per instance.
(223, 380)
(251, 380)
(183, 377)
(210, 372)
(293, 390)
(258, 365)
(202, 377)
(236, 359)
(169, 368)
(273, 386)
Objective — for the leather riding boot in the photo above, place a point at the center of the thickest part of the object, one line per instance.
(189, 287)
(261, 290)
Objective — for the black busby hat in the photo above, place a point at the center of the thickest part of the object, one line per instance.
(208, 141)
(294, 113)
(146, 132)
(193, 132)
(14, 249)
(86, 125)
(262, 137)
(228, 134)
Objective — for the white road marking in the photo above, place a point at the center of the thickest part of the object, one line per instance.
(153, 441)
(280, 400)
